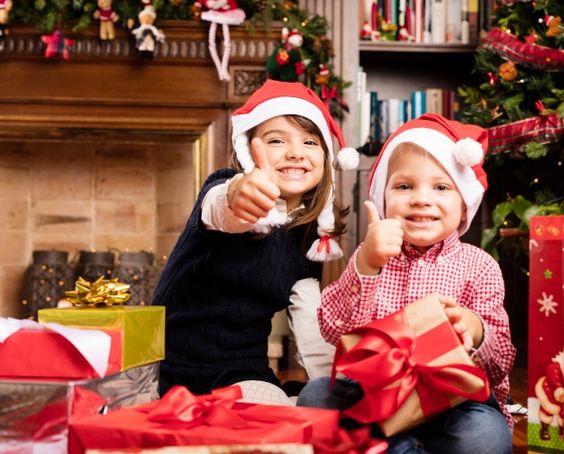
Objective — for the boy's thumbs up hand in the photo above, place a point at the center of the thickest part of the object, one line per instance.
(383, 240)
(252, 196)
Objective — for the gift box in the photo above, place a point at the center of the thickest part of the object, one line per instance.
(29, 349)
(546, 335)
(142, 328)
(181, 418)
(411, 366)
(282, 448)
(35, 414)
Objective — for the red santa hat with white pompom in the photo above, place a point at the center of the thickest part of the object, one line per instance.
(277, 98)
(460, 148)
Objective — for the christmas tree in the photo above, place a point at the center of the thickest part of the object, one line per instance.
(519, 98)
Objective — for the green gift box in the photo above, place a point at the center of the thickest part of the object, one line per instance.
(142, 327)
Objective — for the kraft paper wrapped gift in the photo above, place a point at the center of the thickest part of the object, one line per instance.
(545, 368)
(411, 366)
(33, 350)
(143, 328)
(180, 418)
(35, 414)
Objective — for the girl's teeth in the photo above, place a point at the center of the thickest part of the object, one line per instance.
(293, 171)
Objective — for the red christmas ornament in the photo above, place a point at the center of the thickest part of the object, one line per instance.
(492, 78)
(540, 106)
(531, 38)
(57, 45)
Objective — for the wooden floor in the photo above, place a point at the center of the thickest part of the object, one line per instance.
(518, 379)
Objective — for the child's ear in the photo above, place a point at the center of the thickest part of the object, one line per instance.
(464, 215)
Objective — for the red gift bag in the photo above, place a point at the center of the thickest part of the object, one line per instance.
(546, 334)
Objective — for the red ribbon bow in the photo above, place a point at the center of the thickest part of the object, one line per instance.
(324, 243)
(179, 405)
(386, 354)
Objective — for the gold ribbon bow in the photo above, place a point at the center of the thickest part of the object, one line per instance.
(101, 292)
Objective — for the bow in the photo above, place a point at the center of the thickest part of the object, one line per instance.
(179, 405)
(390, 365)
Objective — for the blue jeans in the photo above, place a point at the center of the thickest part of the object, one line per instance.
(469, 428)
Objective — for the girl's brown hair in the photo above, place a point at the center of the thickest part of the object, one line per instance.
(315, 199)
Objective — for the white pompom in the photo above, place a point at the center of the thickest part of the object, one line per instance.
(319, 253)
(348, 158)
(468, 152)
(273, 218)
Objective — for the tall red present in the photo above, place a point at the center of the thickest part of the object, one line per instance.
(411, 366)
(546, 334)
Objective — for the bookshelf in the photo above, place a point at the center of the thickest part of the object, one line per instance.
(395, 69)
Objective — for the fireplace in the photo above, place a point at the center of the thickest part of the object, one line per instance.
(106, 152)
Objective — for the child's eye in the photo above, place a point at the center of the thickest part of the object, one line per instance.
(403, 186)
(275, 140)
(311, 142)
(442, 187)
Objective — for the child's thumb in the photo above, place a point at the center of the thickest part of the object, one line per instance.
(259, 155)
(371, 211)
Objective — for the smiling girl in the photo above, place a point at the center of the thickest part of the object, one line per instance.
(253, 246)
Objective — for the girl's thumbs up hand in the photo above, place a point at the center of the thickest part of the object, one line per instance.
(253, 195)
(383, 240)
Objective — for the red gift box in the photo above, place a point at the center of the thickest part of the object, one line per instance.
(34, 353)
(181, 418)
(546, 334)
(411, 366)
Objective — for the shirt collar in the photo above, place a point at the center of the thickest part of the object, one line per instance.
(282, 208)
(444, 247)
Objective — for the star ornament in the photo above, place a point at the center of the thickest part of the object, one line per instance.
(548, 274)
(57, 45)
(547, 304)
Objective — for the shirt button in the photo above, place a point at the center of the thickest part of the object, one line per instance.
(354, 289)
(339, 323)
(420, 262)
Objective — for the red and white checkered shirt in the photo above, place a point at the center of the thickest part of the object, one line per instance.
(451, 268)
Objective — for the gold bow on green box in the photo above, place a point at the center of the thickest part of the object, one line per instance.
(142, 327)
(101, 292)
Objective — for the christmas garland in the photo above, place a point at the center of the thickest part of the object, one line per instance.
(310, 61)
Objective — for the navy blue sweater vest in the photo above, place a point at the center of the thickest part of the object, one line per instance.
(221, 291)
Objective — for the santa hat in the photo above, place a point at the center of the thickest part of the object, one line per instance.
(460, 148)
(277, 98)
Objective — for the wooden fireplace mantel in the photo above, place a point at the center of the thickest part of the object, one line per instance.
(104, 86)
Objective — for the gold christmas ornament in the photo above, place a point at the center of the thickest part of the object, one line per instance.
(102, 292)
(508, 71)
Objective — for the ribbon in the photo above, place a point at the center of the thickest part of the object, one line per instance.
(180, 406)
(388, 367)
(324, 243)
(101, 292)
(351, 442)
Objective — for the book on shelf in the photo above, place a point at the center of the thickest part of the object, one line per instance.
(425, 21)
(438, 21)
(384, 116)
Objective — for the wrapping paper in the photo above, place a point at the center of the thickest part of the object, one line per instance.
(181, 418)
(143, 328)
(545, 367)
(35, 414)
(411, 366)
(29, 349)
(279, 448)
